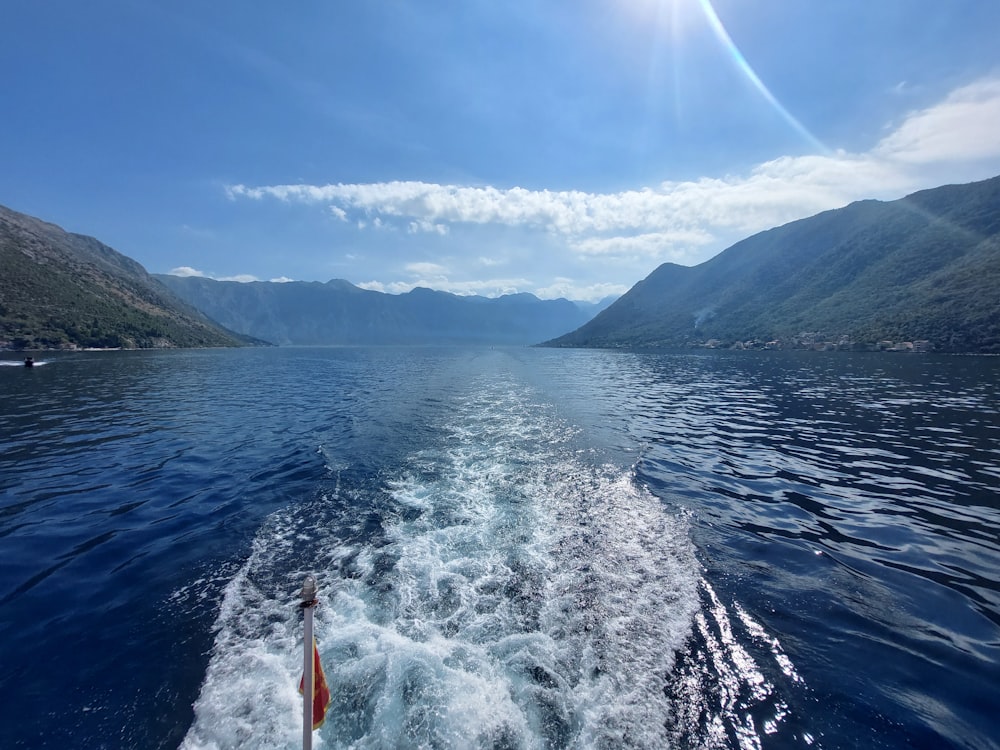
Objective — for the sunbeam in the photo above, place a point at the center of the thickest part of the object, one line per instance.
(741, 62)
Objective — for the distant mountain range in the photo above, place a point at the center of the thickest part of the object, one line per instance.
(59, 289)
(337, 312)
(923, 268)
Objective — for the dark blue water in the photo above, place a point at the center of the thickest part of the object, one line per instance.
(516, 548)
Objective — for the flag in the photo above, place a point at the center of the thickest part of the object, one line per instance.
(321, 692)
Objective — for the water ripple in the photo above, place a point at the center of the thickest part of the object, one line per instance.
(891, 476)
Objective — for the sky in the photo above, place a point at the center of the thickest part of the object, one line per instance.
(561, 148)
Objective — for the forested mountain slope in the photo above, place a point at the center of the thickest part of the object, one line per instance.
(59, 289)
(925, 267)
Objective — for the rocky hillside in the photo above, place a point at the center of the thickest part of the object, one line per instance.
(59, 289)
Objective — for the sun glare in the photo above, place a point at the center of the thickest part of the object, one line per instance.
(744, 66)
(672, 15)
(674, 19)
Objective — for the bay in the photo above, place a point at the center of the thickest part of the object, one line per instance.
(515, 548)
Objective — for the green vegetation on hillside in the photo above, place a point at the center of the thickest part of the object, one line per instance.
(61, 290)
(922, 269)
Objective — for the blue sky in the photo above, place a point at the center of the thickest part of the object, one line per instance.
(560, 148)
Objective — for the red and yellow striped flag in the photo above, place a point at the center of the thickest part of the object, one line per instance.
(321, 692)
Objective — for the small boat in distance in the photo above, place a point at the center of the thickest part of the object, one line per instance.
(29, 361)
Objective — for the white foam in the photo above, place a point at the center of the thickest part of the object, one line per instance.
(250, 696)
(520, 597)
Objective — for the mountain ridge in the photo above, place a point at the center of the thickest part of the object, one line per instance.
(63, 290)
(925, 267)
(337, 312)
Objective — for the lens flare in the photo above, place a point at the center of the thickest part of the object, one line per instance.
(741, 62)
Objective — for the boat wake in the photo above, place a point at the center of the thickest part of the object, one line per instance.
(497, 591)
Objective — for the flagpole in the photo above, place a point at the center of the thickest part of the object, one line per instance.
(308, 596)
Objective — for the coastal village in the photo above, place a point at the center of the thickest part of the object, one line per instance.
(814, 341)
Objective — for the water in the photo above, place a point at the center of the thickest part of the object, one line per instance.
(516, 548)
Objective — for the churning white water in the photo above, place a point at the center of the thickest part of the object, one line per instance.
(502, 591)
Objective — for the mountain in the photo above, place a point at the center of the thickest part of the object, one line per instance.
(59, 289)
(922, 268)
(590, 309)
(337, 312)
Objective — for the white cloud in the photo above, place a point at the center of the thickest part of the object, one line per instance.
(186, 271)
(281, 280)
(957, 140)
(683, 207)
(964, 127)
(486, 287)
(483, 287)
(339, 212)
(652, 244)
(426, 226)
(243, 278)
(426, 269)
(572, 290)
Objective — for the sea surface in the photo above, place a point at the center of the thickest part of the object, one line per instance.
(515, 548)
